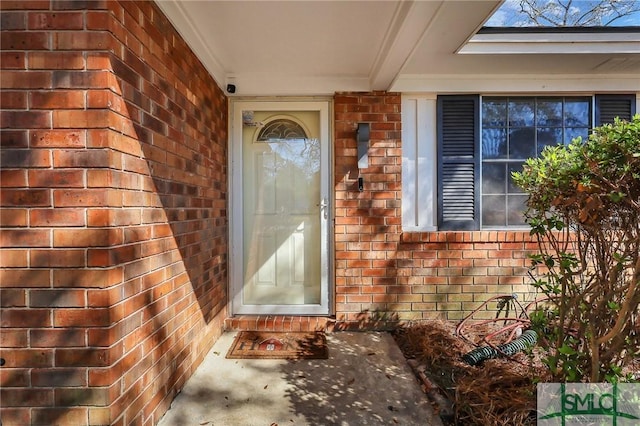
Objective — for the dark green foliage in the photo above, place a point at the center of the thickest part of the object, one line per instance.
(584, 207)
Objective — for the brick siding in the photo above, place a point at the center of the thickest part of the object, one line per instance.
(385, 276)
(114, 212)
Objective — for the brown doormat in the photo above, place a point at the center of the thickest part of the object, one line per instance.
(279, 345)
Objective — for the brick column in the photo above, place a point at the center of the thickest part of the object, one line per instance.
(368, 222)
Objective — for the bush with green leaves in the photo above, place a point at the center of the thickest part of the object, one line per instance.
(584, 208)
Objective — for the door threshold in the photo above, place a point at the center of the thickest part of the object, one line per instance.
(278, 323)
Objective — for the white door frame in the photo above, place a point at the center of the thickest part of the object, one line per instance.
(236, 273)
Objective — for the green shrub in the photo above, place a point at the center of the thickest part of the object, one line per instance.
(584, 207)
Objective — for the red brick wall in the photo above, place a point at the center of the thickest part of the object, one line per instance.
(385, 276)
(114, 240)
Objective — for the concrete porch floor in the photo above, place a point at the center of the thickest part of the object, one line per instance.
(365, 381)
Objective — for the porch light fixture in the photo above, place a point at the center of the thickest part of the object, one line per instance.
(362, 136)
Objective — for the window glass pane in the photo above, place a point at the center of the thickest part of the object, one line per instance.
(549, 112)
(493, 178)
(494, 143)
(494, 112)
(577, 113)
(548, 136)
(516, 206)
(493, 210)
(514, 167)
(521, 112)
(522, 143)
(573, 132)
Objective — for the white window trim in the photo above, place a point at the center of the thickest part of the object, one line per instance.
(552, 43)
(419, 163)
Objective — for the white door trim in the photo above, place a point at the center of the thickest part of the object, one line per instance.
(235, 215)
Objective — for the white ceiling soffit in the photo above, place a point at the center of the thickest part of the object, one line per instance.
(436, 66)
(319, 47)
(302, 47)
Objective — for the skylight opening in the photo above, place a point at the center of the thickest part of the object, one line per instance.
(559, 14)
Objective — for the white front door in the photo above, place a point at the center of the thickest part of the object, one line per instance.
(280, 208)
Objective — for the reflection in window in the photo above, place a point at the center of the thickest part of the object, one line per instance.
(281, 129)
(520, 113)
(494, 143)
(549, 113)
(302, 154)
(514, 129)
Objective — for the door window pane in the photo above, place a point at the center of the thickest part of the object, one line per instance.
(281, 224)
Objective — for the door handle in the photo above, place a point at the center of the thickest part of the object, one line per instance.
(323, 204)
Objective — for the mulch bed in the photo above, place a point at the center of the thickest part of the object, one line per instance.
(497, 392)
